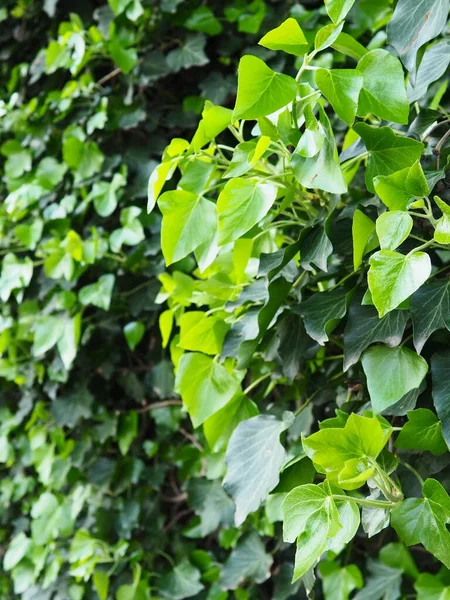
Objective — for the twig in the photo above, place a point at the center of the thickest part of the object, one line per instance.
(162, 404)
(109, 76)
(191, 438)
(439, 146)
(176, 518)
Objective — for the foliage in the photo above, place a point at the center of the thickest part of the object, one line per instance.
(298, 321)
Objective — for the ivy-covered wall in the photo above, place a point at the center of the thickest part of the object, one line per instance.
(128, 356)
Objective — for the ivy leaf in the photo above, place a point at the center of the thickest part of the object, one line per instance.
(219, 427)
(433, 65)
(261, 91)
(191, 54)
(431, 587)
(214, 120)
(188, 221)
(134, 332)
(393, 228)
(388, 152)
(182, 582)
(70, 409)
(394, 277)
(46, 334)
(322, 312)
(347, 453)
(391, 373)
(17, 549)
(242, 204)
(384, 582)
(430, 310)
(205, 385)
(172, 155)
(339, 582)
(337, 9)
(99, 293)
(321, 171)
(364, 237)
(387, 102)
(16, 274)
(399, 189)
(423, 431)
(440, 369)
(364, 327)
(424, 520)
(327, 35)
(409, 29)
(203, 19)
(248, 561)
(254, 458)
(210, 502)
(315, 248)
(287, 37)
(341, 87)
(315, 519)
(201, 333)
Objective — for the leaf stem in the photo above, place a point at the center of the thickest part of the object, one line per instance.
(366, 502)
(256, 383)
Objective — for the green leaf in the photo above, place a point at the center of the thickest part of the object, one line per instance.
(338, 9)
(214, 120)
(182, 582)
(261, 91)
(383, 583)
(398, 556)
(321, 171)
(394, 277)
(341, 87)
(69, 409)
(347, 453)
(161, 173)
(364, 327)
(327, 35)
(46, 334)
(248, 561)
(242, 204)
(440, 369)
(433, 65)
(101, 584)
(315, 248)
(205, 385)
(202, 19)
(190, 54)
(133, 332)
(339, 582)
(287, 37)
(388, 152)
(201, 333)
(391, 373)
(399, 189)
(16, 274)
(219, 427)
(423, 431)
(430, 310)
(99, 293)
(364, 237)
(104, 195)
(385, 101)
(127, 432)
(318, 522)
(18, 548)
(409, 29)
(393, 228)
(68, 340)
(322, 313)
(424, 520)
(188, 221)
(254, 458)
(347, 44)
(125, 58)
(212, 505)
(431, 587)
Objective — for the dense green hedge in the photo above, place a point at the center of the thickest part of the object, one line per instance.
(257, 318)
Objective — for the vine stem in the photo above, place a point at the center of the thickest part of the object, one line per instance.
(255, 383)
(418, 248)
(366, 502)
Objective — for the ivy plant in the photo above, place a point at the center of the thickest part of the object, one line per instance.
(307, 236)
